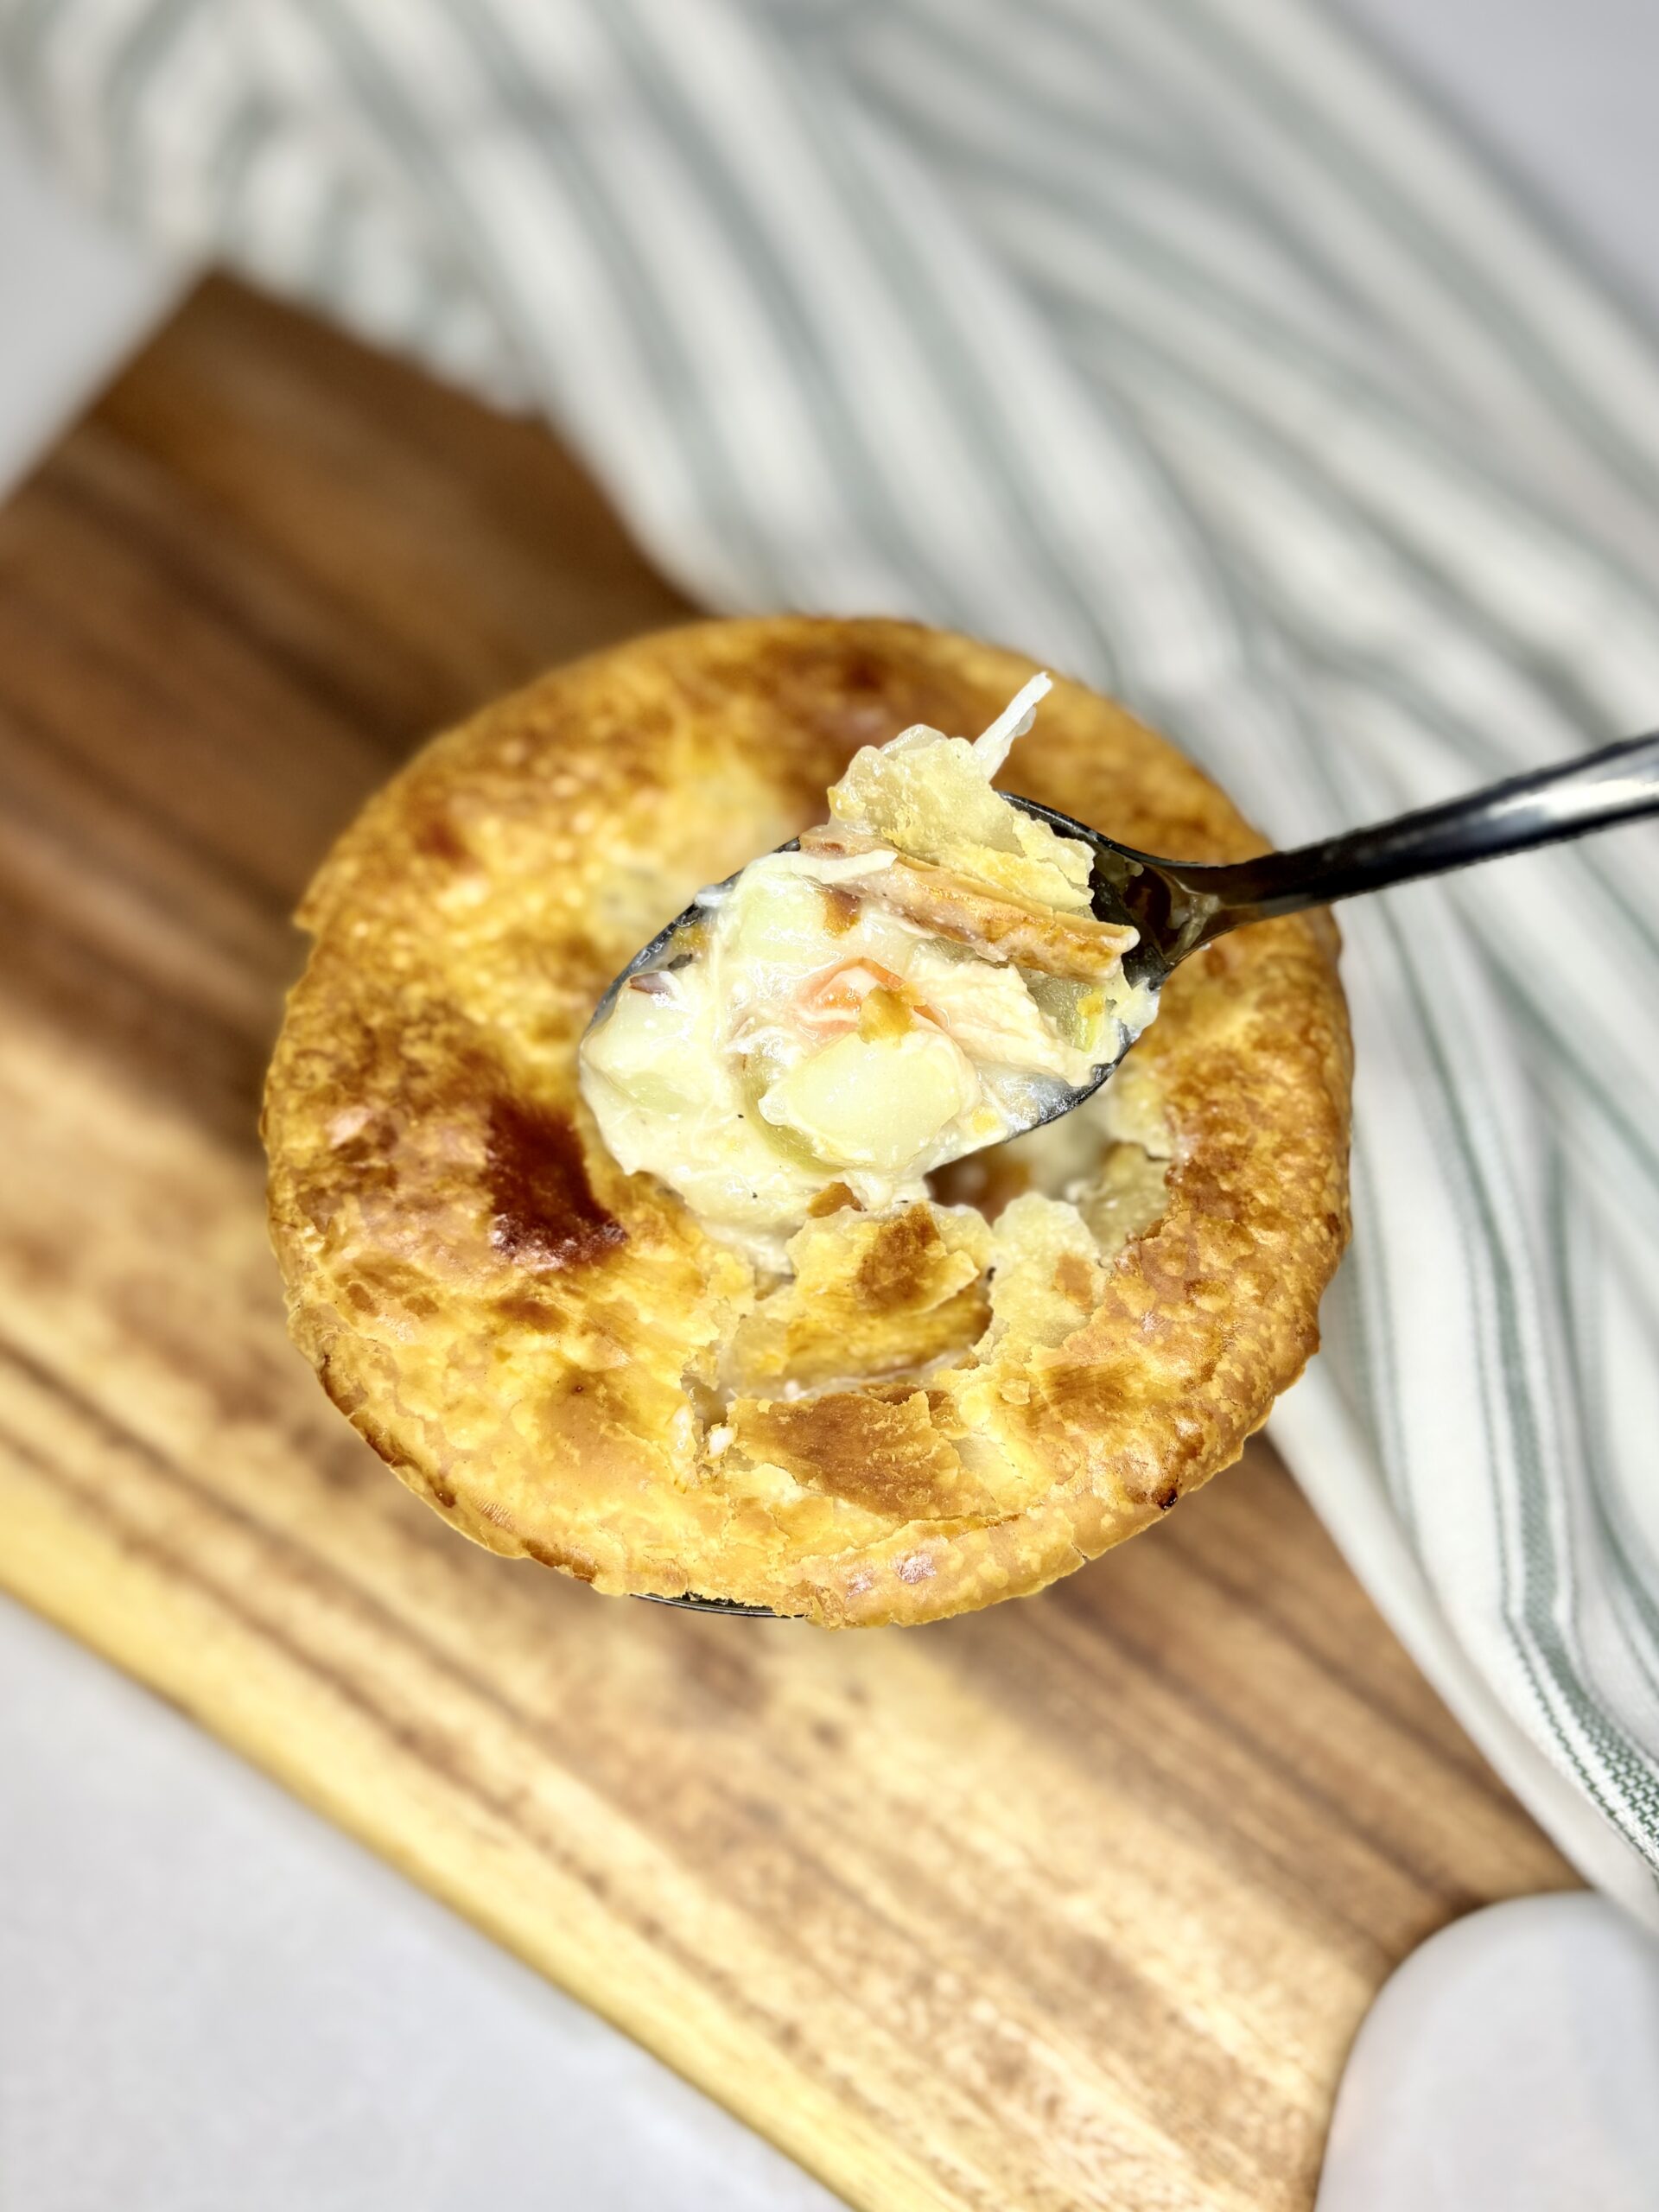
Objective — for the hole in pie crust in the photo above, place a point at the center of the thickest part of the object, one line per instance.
(878, 1300)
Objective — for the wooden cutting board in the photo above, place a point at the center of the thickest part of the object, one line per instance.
(1074, 1903)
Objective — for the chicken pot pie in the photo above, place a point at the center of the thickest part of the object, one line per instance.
(899, 1398)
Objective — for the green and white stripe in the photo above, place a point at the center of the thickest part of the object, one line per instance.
(1174, 342)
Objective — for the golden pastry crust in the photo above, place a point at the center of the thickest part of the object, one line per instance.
(557, 1357)
(1000, 927)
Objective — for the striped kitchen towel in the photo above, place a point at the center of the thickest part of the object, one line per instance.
(1174, 342)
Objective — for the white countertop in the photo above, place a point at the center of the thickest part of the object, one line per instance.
(210, 1999)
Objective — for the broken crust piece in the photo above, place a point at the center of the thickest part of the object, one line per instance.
(997, 926)
(540, 1345)
(871, 1296)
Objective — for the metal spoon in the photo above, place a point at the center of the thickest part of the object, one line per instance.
(1178, 906)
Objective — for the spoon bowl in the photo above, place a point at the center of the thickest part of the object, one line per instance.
(1176, 907)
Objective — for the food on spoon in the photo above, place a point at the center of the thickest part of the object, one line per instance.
(891, 1412)
(925, 977)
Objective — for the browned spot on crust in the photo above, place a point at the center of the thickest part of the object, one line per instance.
(543, 1213)
(377, 1440)
(877, 1448)
(527, 1312)
(1072, 1279)
(898, 1270)
(1095, 1398)
(843, 693)
(565, 1557)
(436, 837)
(399, 1460)
(1164, 1499)
(345, 1396)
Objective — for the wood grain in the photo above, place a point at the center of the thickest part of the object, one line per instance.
(1075, 1903)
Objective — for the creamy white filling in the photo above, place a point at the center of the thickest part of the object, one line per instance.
(807, 1034)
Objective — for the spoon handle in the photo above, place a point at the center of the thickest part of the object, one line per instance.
(1616, 784)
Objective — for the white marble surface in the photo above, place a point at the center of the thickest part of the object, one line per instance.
(74, 298)
(210, 1999)
(1512, 2062)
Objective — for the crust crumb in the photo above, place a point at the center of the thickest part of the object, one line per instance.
(832, 1199)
